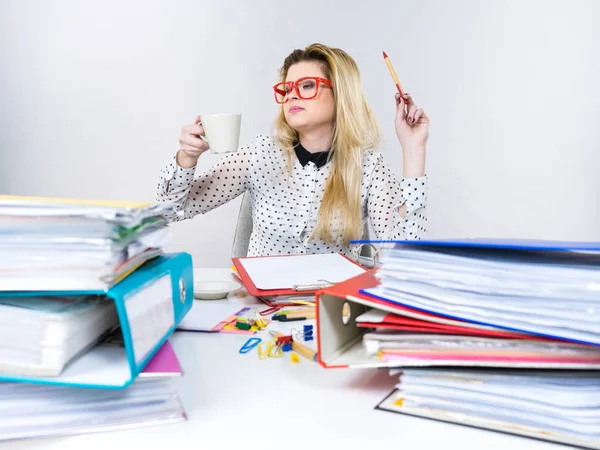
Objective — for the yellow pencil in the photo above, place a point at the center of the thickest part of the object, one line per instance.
(393, 72)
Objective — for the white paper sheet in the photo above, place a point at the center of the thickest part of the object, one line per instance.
(204, 316)
(285, 272)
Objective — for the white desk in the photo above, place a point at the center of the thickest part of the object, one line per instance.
(237, 401)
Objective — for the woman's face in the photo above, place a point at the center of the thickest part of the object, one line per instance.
(305, 115)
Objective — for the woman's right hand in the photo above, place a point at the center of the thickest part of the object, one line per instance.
(191, 146)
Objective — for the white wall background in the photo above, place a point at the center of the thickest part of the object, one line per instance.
(93, 95)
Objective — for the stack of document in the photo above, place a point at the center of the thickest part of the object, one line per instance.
(556, 406)
(534, 289)
(63, 244)
(40, 410)
(429, 349)
(485, 317)
(40, 335)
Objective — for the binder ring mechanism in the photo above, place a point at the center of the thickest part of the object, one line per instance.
(368, 256)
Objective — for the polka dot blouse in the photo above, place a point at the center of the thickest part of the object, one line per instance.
(285, 207)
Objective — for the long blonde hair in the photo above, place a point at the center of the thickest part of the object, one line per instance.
(355, 131)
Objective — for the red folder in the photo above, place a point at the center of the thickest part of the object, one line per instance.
(395, 322)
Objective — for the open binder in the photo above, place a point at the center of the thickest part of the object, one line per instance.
(149, 304)
(342, 344)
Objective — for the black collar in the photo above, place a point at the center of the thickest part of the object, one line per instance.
(304, 156)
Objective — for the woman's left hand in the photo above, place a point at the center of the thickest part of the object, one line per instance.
(412, 125)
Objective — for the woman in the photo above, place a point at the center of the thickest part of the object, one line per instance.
(316, 183)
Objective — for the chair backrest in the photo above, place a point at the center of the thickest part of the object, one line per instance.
(243, 231)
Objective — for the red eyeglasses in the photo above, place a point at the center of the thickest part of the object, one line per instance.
(306, 88)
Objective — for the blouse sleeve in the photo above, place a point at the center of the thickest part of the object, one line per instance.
(191, 196)
(386, 195)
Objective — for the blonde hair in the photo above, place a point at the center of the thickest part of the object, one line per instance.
(355, 131)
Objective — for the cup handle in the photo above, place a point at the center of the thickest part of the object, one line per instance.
(200, 136)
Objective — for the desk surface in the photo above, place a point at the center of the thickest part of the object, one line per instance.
(235, 400)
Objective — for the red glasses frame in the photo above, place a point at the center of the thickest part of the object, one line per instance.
(293, 86)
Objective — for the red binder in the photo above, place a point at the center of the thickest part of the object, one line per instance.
(339, 333)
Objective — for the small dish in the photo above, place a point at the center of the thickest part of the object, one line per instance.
(214, 289)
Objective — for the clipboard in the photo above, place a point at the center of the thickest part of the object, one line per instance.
(306, 288)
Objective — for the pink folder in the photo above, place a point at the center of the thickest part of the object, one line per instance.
(163, 364)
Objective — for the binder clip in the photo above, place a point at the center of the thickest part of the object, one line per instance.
(297, 335)
(260, 321)
(308, 333)
(305, 335)
(283, 340)
(242, 325)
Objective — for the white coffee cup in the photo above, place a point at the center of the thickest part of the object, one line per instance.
(222, 131)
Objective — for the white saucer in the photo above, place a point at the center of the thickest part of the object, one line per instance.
(214, 289)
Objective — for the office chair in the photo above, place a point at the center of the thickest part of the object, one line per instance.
(243, 231)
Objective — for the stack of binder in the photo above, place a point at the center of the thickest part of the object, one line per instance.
(32, 410)
(520, 312)
(64, 244)
(88, 300)
(559, 406)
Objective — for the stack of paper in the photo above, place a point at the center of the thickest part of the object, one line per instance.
(501, 311)
(428, 349)
(85, 315)
(557, 406)
(40, 335)
(534, 289)
(60, 244)
(40, 410)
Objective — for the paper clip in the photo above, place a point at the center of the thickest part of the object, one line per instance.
(250, 344)
(270, 349)
(264, 348)
(276, 350)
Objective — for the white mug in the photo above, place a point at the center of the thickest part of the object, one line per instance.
(222, 131)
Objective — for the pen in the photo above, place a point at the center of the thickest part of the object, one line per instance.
(393, 72)
(299, 348)
(284, 318)
(308, 313)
